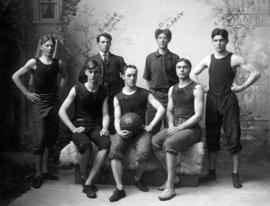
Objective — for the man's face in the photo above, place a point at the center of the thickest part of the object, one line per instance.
(219, 43)
(182, 70)
(47, 48)
(104, 44)
(162, 41)
(130, 77)
(93, 74)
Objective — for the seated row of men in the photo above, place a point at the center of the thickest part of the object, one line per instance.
(184, 111)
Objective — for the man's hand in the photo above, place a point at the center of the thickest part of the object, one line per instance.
(79, 130)
(205, 88)
(125, 134)
(148, 128)
(172, 130)
(236, 88)
(104, 132)
(33, 97)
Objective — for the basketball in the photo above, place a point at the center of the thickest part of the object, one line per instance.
(131, 122)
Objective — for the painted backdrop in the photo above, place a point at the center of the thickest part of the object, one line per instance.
(132, 25)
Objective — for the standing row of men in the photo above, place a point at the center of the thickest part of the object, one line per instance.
(108, 90)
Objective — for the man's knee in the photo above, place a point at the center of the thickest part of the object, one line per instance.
(84, 147)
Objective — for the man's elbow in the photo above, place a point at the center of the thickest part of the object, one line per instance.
(257, 75)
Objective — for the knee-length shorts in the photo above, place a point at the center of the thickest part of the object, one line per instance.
(223, 110)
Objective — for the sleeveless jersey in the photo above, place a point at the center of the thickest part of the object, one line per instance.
(183, 101)
(88, 105)
(221, 75)
(135, 103)
(45, 77)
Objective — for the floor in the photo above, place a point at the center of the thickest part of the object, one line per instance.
(256, 191)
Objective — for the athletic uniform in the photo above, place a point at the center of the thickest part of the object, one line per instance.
(44, 121)
(183, 109)
(88, 114)
(222, 106)
(135, 103)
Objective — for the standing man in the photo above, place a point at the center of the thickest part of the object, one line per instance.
(132, 99)
(112, 66)
(160, 73)
(222, 108)
(44, 98)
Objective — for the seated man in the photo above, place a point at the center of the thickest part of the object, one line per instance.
(184, 111)
(91, 123)
(132, 99)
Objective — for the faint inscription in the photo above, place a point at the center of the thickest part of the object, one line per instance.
(168, 22)
(111, 24)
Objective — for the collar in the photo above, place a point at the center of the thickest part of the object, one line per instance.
(168, 53)
(102, 53)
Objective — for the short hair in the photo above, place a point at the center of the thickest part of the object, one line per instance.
(88, 65)
(166, 32)
(186, 61)
(45, 38)
(129, 66)
(221, 32)
(106, 35)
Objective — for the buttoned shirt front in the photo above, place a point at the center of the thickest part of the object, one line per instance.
(160, 70)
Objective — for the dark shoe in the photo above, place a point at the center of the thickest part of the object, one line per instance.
(90, 191)
(141, 185)
(37, 183)
(207, 178)
(236, 181)
(117, 195)
(92, 185)
(167, 194)
(49, 176)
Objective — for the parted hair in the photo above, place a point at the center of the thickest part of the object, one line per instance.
(186, 61)
(166, 32)
(45, 38)
(88, 65)
(221, 32)
(128, 66)
(106, 35)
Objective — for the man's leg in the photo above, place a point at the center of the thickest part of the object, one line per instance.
(45, 172)
(232, 131)
(37, 183)
(212, 161)
(235, 175)
(168, 191)
(98, 162)
(143, 151)
(117, 169)
(117, 149)
(213, 123)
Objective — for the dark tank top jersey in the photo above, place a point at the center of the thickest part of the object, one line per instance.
(88, 105)
(221, 75)
(135, 103)
(183, 101)
(45, 77)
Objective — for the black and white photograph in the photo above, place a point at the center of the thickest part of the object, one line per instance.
(131, 102)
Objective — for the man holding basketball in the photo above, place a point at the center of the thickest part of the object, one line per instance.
(132, 99)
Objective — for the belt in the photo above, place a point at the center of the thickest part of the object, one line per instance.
(219, 94)
(164, 90)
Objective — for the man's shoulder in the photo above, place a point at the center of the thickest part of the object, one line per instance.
(116, 56)
(143, 91)
(152, 54)
(174, 55)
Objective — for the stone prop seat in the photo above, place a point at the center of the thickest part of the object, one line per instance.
(188, 168)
